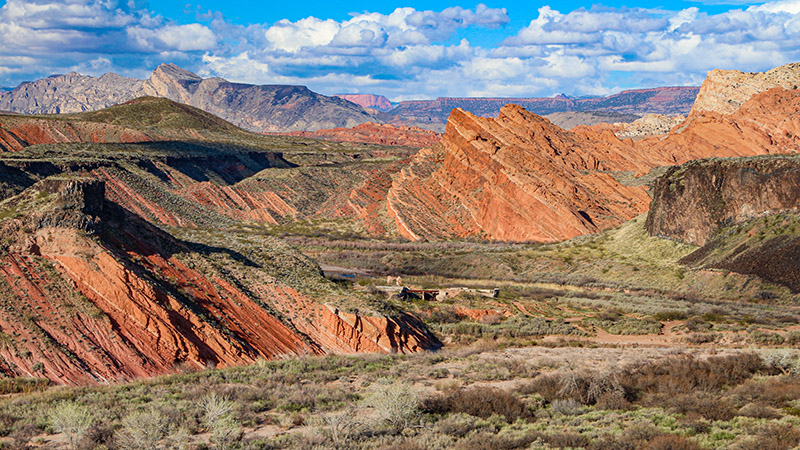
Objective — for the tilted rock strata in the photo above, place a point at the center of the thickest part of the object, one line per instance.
(142, 310)
(518, 177)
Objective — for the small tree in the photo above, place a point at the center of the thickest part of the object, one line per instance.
(72, 419)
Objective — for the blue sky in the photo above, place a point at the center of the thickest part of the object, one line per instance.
(413, 49)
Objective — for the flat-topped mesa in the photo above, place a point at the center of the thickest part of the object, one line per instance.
(724, 91)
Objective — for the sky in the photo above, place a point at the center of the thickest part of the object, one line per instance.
(403, 50)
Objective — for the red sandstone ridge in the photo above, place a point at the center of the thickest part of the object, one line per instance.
(92, 293)
(373, 133)
(370, 101)
(518, 177)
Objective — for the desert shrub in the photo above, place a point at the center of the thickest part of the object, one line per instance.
(644, 436)
(567, 407)
(151, 429)
(792, 338)
(457, 424)
(773, 436)
(777, 392)
(395, 403)
(671, 442)
(218, 418)
(22, 435)
(403, 444)
(669, 315)
(478, 402)
(697, 324)
(444, 314)
(625, 325)
(337, 427)
(759, 411)
(782, 361)
(582, 387)
(612, 400)
(566, 440)
(683, 374)
(704, 404)
(546, 385)
(762, 338)
(499, 441)
(7, 422)
(72, 419)
(22, 385)
(701, 338)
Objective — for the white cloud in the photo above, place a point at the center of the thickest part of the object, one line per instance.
(407, 53)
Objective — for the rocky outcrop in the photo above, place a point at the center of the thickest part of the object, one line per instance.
(649, 125)
(70, 93)
(257, 108)
(369, 101)
(128, 300)
(724, 91)
(692, 201)
(374, 133)
(516, 177)
(767, 123)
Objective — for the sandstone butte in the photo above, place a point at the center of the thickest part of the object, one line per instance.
(518, 177)
(125, 304)
(370, 101)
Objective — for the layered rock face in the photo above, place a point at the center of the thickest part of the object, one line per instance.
(92, 293)
(257, 108)
(692, 201)
(724, 91)
(516, 177)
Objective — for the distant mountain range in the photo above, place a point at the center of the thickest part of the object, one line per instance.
(256, 108)
(433, 114)
(283, 108)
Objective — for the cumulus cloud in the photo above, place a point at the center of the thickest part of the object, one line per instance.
(58, 35)
(407, 53)
(638, 41)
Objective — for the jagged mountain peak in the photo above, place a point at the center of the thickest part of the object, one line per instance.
(175, 72)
